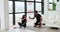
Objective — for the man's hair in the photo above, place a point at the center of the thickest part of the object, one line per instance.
(35, 11)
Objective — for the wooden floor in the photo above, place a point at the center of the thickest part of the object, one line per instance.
(30, 29)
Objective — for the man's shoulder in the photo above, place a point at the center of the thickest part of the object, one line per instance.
(39, 15)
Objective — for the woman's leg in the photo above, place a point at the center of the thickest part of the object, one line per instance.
(20, 24)
(24, 24)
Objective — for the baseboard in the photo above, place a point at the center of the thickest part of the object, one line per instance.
(54, 28)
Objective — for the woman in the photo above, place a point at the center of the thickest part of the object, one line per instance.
(23, 24)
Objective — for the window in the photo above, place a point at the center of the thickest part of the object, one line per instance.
(30, 7)
(25, 7)
(19, 6)
(38, 6)
(10, 13)
(52, 5)
(10, 7)
(30, 0)
(38, 0)
(10, 19)
(18, 17)
(51, 1)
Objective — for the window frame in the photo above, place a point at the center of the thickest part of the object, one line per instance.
(42, 8)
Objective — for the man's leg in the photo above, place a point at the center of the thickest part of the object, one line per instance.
(39, 25)
(35, 24)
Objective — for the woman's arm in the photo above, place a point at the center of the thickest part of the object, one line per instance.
(23, 18)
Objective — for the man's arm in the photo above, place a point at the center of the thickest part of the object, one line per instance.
(40, 20)
(23, 18)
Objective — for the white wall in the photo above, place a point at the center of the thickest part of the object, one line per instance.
(0, 23)
(4, 14)
(51, 16)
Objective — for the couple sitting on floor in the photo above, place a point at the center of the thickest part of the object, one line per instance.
(37, 23)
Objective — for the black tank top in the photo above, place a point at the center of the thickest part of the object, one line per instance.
(38, 17)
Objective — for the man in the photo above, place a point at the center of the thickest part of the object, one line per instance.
(38, 19)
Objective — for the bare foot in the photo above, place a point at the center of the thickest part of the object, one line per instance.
(34, 26)
(39, 26)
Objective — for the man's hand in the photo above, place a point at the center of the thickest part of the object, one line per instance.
(31, 18)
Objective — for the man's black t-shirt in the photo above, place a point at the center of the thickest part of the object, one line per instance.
(38, 17)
